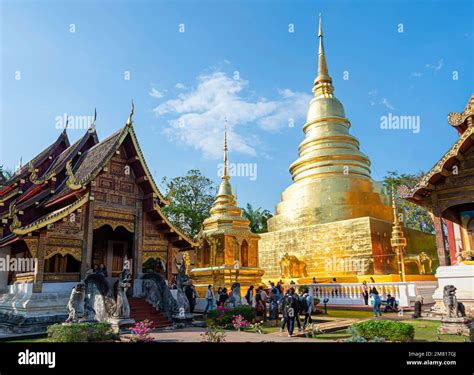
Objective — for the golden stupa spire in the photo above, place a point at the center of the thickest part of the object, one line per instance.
(225, 174)
(323, 82)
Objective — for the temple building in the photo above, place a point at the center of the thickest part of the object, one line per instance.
(74, 207)
(227, 250)
(447, 192)
(334, 220)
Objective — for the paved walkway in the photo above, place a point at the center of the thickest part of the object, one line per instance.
(194, 335)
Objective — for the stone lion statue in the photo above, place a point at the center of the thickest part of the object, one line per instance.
(453, 307)
(76, 303)
(291, 266)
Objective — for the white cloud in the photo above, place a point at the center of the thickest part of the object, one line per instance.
(155, 93)
(197, 114)
(386, 103)
(180, 86)
(436, 67)
(374, 100)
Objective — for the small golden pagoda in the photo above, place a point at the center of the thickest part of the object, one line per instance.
(333, 220)
(227, 250)
(398, 240)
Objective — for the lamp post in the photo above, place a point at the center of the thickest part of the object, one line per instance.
(398, 240)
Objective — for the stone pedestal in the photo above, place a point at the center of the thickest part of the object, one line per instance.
(462, 277)
(457, 326)
(121, 324)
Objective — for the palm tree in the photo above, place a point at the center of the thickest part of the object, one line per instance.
(258, 218)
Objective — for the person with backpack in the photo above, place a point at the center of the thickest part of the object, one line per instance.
(290, 311)
(273, 300)
(307, 305)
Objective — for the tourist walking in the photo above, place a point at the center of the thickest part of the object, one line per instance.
(307, 305)
(249, 295)
(218, 296)
(273, 300)
(290, 311)
(377, 302)
(224, 297)
(365, 292)
(260, 305)
(264, 297)
(209, 299)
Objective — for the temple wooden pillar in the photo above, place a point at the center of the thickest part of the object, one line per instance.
(138, 241)
(440, 238)
(88, 239)
(169, 262)
(39, 272)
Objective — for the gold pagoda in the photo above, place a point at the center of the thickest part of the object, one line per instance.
(333, 220)
(227, 250)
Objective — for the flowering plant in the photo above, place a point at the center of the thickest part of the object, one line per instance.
(258, 327)
(141, 331)
(213, 334)
(239, 322)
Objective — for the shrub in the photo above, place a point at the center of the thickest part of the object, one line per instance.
(388, 330)
(223, 317)
(81, 332)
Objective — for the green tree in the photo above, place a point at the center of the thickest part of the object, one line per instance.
(258, 218)
(5, 174)
(192, 197)
(415, 216)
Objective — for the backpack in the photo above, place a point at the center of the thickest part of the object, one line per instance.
(303, 304)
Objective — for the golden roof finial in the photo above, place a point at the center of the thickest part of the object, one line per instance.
(132, 111)
(323, 81)
(226, 160)
(94, 120)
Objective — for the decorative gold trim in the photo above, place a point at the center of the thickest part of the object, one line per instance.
(52, 218)
(71, 182)
(75, 252)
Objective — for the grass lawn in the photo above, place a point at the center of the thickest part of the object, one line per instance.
(41, 339)
(346, 314)
(425, 330)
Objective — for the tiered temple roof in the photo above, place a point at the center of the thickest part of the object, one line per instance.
(57, 181)
(463, 123)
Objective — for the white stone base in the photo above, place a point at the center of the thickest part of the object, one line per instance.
(462, 277)
(32, 312)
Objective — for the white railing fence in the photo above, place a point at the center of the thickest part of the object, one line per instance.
(406, 293)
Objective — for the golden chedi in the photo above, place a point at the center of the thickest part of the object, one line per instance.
(227, 251)
(333, 220)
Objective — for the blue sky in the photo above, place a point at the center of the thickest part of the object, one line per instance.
(235, 59)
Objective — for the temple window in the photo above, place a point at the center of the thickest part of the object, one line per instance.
(244, 254)
(62, 264)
